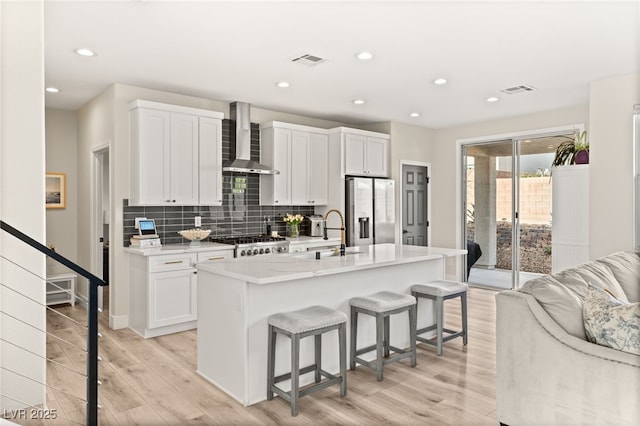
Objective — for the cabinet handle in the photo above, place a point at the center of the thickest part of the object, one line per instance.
(173, 262)
(275, 201)
(195, 272)
(173, 201)
(216, 258)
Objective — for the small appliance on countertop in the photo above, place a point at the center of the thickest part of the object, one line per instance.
(315, 226)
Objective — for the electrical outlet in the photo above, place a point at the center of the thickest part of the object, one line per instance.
(137, 224)
(198, 221)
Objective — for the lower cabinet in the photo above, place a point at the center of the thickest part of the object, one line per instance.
(172, 298)
(163, 291)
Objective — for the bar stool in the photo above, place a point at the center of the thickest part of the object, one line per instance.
(311, 321)
(439, 291)
(382, 305)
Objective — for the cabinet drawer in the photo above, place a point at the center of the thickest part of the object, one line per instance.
(214, 255)
(171, 262)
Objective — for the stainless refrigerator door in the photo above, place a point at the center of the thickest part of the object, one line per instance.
(384, 225)
(359, 205)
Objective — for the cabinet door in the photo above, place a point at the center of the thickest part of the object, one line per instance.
(299, 167)
(210, 161)
(282, 163)
(172, 298)
(150, 157)
(184, 159)
(354, 154)
(318, 169)
(376, 156)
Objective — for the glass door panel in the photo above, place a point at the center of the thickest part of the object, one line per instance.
(488, 204)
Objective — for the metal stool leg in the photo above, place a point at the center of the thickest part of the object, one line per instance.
(386, 341)
(463, 301)
(271, 356)
(342, 336)
(318, 356)
(353, 338)
(439, 324)
(379, 345)
(413, 316)
(295, 373)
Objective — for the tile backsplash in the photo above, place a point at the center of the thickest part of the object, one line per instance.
(240, 213)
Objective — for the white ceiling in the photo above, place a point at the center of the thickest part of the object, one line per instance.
(237, 51)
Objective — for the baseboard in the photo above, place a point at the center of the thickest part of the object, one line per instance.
(117, 322)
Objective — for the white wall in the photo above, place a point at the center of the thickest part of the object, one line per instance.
(611, 163)
(445, 169)
(22, 160)
(61, 148)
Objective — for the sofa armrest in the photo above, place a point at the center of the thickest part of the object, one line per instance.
(546, 376)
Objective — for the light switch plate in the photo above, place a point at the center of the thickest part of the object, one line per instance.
(198, 221)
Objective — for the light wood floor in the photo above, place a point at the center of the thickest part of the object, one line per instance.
(153, 381)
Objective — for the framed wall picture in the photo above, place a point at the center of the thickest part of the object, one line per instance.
(56, 190)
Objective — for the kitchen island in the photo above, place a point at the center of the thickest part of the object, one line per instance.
(235, 298)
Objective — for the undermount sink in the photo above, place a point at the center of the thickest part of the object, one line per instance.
(311, 254)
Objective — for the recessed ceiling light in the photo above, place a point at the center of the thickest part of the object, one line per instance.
(414, 114)
(365, 56)
(358, 101)
(85, 52)
(283, 84)
(493, 99)
(440, 81)
(52, 89)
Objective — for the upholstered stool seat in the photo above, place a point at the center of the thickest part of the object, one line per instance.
(439, 291)
(382, 305)
(311, 321)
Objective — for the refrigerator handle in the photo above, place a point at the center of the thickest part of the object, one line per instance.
(364, 227)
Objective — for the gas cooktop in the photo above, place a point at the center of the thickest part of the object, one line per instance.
(247, 239)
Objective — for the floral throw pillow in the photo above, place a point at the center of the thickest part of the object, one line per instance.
(611, 322)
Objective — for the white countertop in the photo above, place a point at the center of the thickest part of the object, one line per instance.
(278, 268)
(178, 248)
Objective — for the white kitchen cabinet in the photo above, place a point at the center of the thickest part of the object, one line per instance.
(163, 288)
(275, 152)
(162, 294)
(301, 155)
(175, 155)
(365, 155)
(309, 160)
(210, 161)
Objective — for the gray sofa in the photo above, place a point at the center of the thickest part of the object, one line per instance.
(547, 372)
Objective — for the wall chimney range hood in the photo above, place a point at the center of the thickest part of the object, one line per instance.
(241, 116)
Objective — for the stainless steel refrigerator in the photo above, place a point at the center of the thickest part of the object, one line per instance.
(370, 211)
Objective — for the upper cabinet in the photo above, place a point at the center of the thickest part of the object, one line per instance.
(364, 153)
(175, 155)
(301, 155)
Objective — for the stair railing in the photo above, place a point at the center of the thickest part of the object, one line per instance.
(92, 318)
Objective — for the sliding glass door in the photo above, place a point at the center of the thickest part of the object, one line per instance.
(507, 202)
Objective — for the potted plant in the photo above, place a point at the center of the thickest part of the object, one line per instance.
(573, 151)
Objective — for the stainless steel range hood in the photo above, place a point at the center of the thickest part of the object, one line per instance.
(241, 116)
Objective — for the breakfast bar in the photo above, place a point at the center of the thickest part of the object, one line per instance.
(236, 296)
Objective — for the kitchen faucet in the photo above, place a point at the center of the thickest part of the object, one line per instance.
(342, 229)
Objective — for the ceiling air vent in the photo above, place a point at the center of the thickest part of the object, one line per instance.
(308, 60)
(517, 89)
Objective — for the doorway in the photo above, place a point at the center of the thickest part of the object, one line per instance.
(101, 213)
(414, 189)
(506, 190)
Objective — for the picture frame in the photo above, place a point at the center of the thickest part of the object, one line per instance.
(56, 190)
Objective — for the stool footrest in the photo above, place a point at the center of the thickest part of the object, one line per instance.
(425, 329)
(432, 341)
(396, 356)
(310, 388)
(304, 370)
